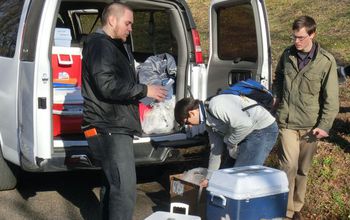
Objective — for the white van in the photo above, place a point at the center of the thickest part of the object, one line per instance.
(41, 42)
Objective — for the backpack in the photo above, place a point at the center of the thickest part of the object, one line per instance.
(253, 90)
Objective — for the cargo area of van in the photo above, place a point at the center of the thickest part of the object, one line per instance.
(161, 55)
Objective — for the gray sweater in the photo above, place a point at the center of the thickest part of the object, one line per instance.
(228, 124)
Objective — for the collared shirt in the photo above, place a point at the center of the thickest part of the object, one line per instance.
(304, 58)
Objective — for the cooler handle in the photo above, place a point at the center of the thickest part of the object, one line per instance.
(218, 200)
(65, 62)
(179, 205)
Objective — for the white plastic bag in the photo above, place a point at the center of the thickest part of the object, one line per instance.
(195, 175)
(160, 119)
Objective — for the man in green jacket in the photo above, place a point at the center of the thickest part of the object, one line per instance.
(306, 91)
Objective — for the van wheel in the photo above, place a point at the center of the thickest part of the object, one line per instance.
(8, 178)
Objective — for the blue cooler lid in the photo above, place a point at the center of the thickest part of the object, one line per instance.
(248, 182)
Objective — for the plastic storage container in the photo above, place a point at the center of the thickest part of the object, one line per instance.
(66, 64)
(249, 192)
(160, 215)
(67, 111)
(62, 37)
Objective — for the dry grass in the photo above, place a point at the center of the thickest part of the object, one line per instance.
(328, 195)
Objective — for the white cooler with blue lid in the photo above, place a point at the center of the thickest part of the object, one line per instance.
(249, 192)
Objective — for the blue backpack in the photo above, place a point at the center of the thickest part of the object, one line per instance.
(253, 90)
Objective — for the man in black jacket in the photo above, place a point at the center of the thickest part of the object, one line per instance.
(110, 116)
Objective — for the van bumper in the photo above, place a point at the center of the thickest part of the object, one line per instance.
(153, 153)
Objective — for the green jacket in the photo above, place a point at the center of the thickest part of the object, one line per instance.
(308, 98)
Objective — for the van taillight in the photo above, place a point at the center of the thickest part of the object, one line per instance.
(197, 46)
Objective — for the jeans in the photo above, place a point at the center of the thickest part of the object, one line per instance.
(255, 148)
(118, 190)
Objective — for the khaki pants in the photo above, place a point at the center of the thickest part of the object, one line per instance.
(295, 157)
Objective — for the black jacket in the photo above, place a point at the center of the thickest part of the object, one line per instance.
(109, 87)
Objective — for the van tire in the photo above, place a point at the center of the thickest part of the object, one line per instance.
(8, 178)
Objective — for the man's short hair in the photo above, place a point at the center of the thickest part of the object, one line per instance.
(182, 108)
(305, 21)
(116, 9)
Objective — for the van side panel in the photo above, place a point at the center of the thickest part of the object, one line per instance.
(13, 16)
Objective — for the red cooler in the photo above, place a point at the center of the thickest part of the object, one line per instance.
(66, 64)
(67, 111)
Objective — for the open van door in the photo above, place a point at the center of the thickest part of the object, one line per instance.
(239, 43)
(35, 111)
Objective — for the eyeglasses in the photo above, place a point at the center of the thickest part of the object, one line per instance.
(186, 122)
(300, 38)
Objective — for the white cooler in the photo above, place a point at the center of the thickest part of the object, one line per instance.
(249, 192)
(160, 215)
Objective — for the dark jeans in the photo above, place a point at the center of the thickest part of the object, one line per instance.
(255, 148)
(118, 191)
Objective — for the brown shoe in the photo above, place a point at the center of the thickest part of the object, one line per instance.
(297, 216)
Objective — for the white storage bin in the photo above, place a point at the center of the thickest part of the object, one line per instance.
(62, 37)
(160, 215)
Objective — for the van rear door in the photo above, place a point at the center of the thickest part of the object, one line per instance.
(35, 111)
(239, 43)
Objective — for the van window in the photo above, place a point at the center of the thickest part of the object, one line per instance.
(30, 32)
(152, 33)
(85, 21)
(10, 14)
(236, 33)
(89, 23)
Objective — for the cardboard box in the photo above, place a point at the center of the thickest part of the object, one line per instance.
(249, 192)
(188, 192)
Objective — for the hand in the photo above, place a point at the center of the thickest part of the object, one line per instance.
(157, 92)
(204, 183)
(319, 133)
(275, 104)
(232, 150)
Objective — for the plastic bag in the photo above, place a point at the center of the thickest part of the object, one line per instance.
(195, 175)
(160, 119)
(168, 84)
